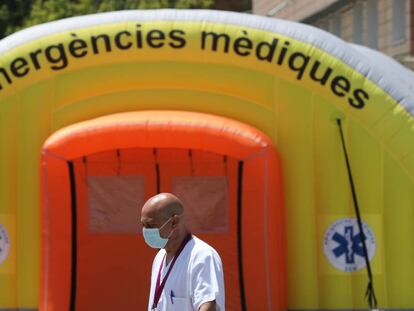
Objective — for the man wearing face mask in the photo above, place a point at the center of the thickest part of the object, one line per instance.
(187, 273)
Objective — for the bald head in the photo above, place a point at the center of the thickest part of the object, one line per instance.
(160, 208)
(163, 212)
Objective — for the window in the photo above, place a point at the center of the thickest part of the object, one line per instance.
(336, 24)
(372, 24)
(205, 200)
(398, 21)
(325, 24)
(357, 23)
(113, 203)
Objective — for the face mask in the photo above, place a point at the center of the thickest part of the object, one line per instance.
(152, 236)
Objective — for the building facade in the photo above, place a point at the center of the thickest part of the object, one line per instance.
(385, 25)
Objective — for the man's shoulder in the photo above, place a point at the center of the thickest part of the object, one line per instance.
(203, 250)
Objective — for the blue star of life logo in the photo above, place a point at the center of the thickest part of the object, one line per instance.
(343, 245)
(349, 244)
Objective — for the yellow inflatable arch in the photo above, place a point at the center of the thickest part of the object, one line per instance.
(290, 81)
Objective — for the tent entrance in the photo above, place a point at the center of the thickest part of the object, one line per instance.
(97, 175)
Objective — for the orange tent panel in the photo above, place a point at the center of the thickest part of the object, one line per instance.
(83, 269)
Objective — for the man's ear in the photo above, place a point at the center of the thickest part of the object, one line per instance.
(175, 221)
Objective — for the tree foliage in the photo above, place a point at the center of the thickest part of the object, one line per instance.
(13, 14)
(18, 14)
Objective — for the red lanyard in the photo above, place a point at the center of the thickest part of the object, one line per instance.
(160, 287)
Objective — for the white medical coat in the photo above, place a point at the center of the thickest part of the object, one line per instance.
(196, 278)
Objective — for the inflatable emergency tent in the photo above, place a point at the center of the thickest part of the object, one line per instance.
(239, 115)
